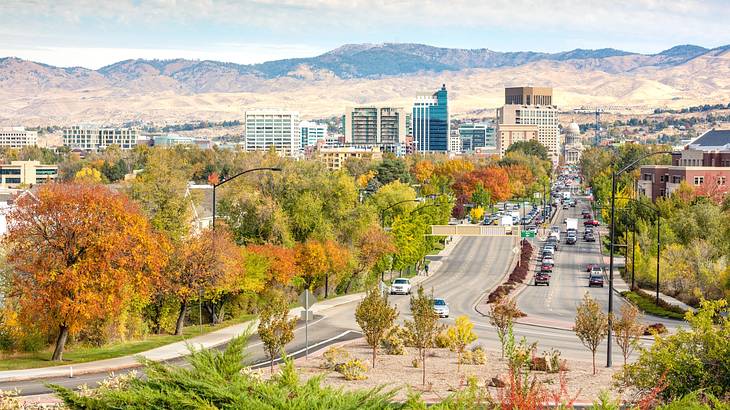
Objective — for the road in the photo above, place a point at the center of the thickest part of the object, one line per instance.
(473, 266)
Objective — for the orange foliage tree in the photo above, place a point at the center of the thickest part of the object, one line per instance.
(79, 253)
(494, 180)
(320, 261)
(373, 246)
(281, 263)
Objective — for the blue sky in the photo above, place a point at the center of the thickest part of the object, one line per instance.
(92, 33)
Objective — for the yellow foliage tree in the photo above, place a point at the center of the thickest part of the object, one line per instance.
(476, 214)
(88, 175)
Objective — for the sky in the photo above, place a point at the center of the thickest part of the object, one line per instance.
(95, 33)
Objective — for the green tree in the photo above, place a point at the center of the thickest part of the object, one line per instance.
(275, 329)
(531, 147)
(424, 327)
(591, 325)
(691, 359)
(501, 316)
(628, 329)
(460, 335)
(375, 316)
(392, 169)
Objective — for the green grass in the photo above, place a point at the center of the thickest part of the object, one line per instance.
(81, 354)
(647, 305)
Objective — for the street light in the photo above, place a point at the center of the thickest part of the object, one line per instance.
(234, 177)
(614, 176)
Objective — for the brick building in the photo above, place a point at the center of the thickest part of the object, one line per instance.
(704, 164)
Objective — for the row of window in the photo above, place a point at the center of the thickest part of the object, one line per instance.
(698, 180)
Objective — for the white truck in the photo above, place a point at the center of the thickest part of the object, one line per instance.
(571, 223)
(566, 195)
(507, 223)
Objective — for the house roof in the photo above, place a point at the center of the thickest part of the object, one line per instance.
(712, 140)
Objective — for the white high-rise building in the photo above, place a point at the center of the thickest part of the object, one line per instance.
(92, 137)
(311, 132)
(273, 128)
(17, 137)
(533, 106)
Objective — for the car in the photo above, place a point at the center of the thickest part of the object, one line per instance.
(525, 220)
(547, 254)
(591, 222)
(572, 203)
(546, 267)
(586, 212)
(589, 237)
(587, 215)
(538, 219)
(595, 280)
(400, 286)
(548, 261)
(566, 206)
(555, 229)
(441, 307)
(596, 270)
(571, 239)
(542, 278)
(590, 266)
(532, 229)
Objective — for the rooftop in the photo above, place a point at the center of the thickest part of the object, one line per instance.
(713, 139)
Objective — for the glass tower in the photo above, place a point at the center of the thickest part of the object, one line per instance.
(431, 122)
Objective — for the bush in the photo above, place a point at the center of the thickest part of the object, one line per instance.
(416, 362)
(647, 304)
(476, 355)
(442, 340)
(554, 364)
(656, 328)
(335, 356)
(353, 369)
(33, 342)
(393, 345)
(520, 355)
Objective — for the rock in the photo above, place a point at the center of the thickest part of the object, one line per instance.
(497, 382)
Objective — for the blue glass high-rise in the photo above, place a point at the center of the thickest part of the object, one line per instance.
(431, 122)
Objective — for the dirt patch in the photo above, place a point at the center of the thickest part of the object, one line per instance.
(442, 377)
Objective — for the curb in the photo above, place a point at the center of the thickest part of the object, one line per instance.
(506, 274)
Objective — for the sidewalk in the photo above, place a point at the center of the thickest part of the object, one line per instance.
(206, 341)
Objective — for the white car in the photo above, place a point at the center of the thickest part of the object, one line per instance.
(401, 286)
(441, 307)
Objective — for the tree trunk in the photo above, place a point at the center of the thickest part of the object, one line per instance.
(60, 343)
(594, 363)
(181, 317)
(326, 284)
(221, 313)
(156, 318)
(423, 363)
(375, 349)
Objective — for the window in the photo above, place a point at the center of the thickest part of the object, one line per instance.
(676, 179)
(663, 178)
(12, 180)
(648, 177)
(720, 180)
(699, 180)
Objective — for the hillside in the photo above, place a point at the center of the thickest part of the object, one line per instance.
(179, 90)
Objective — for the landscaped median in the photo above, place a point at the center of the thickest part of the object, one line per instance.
(647, 304)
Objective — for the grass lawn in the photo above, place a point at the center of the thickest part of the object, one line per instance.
(647, 305)
(80, 354)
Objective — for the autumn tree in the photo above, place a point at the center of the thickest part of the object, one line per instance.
(79, 253)
(311, 260)
(476, 214)
(424, 327)
(338, 264)
(460, 335)
(501, 316)
(281, 264)
(275, 328)
(628, 329)
(591, 325)
(88, 175)
(375, 316)
(373, 246)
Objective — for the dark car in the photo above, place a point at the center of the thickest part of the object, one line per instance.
(595, 280)
(571, 239)
(542, 278)
(546, 267)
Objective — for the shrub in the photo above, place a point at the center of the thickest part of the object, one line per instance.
(656, 328)
(335, 356)
(442, 340)
(416, 362)
(352, 369)
(554, 364)
(476, 356)
(520, 355)
(393, 344)
(32, 342)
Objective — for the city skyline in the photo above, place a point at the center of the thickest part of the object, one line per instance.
(94, 34)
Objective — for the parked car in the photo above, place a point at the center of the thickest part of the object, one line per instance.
(566, 206)
(542, 278)
(572, 203)
(401, 286)
(441, 307)
(595, 280)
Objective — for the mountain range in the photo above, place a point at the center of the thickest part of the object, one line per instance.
(180, 89)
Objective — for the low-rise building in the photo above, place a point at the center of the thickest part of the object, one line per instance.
(92, 137)
(26, 173)
(476, 135)
(17, 137)
(508, 134)
(311, 132)
(704, 164)
(171, 140)
(334, 158)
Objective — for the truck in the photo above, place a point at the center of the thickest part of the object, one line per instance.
(507, 223)
(566, 195)
(571, 224)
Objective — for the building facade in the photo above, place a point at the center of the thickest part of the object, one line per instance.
(273, 128)
(533, 106)
(704, 164)
(431, 122)
(334, 158)
(92, 138)
(572, 145)
(477, 135)
(375, 126)
(17, 137)
(171, 140)
(508, 134)
(26, 173)
(311, 132)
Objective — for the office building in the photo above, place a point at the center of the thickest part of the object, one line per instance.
(92, 138)
(171, 140)
(375, 126)
(704, 164)
(26, 173)
(17, 137)
(532, 106)
(431, 121)
(508, 134)
(311, 132)
(476, 135)
(273, 128)
(334, 158)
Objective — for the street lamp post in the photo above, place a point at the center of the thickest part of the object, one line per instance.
(614, 176)
(234, 177)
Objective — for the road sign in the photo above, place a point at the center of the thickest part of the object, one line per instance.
(307, 299)
(527, 234)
